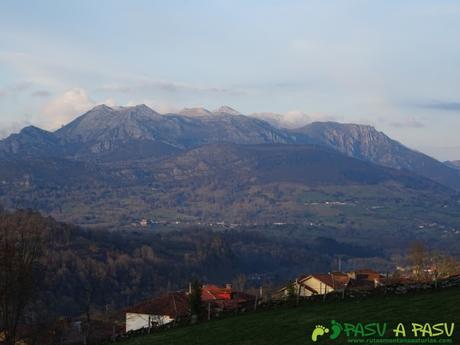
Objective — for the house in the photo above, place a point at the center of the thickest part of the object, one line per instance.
(365, 279)
(321, 284)
(174, 306)
(317, 284)
(157, 311)
(224, 298)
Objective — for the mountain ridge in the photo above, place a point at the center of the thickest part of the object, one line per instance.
(129, 133)
(366, 143)
(453, 164)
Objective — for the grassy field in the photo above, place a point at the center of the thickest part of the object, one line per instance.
(294, 325)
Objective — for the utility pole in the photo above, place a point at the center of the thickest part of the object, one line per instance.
(114, 334)
(150, 324)
(175, 309)
(386, 283)
(436, 278)
(324, 291)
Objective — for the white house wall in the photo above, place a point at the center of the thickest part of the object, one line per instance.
(317, 285)
(135, 321)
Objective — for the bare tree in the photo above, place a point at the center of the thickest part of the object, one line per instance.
(239, 282)
(419, 259)
(445, 265)
(21, 238)
(92, 274)
(195, 301)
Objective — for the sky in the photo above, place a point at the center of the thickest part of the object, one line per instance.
(393, 64)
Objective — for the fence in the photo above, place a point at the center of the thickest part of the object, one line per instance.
(396, 288)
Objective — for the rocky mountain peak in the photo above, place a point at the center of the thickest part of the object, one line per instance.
(366, 143)
(34, 131)
(100, 107)
(198, 111)
(138, 131)
(347, 138)
(226, 110)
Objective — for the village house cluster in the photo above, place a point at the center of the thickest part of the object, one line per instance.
(321, 284)
(174, 307)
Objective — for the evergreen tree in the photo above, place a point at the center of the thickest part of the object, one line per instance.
(196, 304)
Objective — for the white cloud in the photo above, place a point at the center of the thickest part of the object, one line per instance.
(292, 119)
(74, 102)
(295, 118)
(13, 127)
(66, 107)
(110, 102)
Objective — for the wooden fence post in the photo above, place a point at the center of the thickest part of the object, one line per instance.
(114, 336)
(386, 284)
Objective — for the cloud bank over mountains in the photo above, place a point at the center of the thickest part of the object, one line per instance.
(292, 119)
(74, 102)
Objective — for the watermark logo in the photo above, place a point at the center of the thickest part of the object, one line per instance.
(383, 332)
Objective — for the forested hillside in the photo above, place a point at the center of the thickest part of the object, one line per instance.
(81, 269)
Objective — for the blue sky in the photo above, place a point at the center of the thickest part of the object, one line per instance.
(391, 64)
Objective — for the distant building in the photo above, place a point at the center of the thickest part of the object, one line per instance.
(324, 283)
(365, 278)
(316, 284)
(224, 298)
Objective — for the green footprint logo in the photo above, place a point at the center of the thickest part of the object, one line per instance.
(318, 332)
(336, 330)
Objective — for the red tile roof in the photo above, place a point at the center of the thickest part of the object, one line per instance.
(175, 304)
(223, 297)
(214, 292)
(367, 274)
(238, 300)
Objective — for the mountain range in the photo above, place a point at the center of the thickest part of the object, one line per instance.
(111, 166)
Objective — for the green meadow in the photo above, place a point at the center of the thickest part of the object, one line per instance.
(292, 325)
